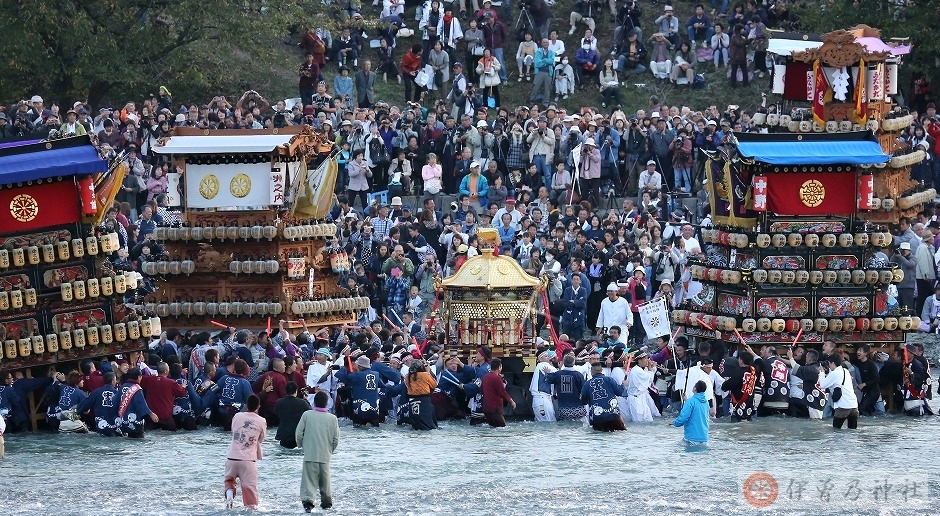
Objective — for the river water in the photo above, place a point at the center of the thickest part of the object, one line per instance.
(524, 469)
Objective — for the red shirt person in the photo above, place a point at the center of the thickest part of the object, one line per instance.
(160, 392)
(495, 395)
(271, 387)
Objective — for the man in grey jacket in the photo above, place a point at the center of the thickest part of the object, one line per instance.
(318, 434)
(365, 86)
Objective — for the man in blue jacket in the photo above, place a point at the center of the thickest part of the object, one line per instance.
(694, 416)
(233, 393)
(104, 401)
(364, 384)
(568, 383)
(600, 394)
(574, 304)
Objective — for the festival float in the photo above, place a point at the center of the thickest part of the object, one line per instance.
(491, 301)
(800, 248)
(61, 298)
(253, 245)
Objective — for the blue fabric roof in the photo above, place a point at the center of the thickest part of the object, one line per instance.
(814, 152)
(30, 166)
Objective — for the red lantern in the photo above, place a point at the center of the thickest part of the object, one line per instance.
(866, 189)
(793, 325)
(862, 324)
(86, 191)
(760, 193)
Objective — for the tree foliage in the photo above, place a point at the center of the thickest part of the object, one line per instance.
(912, 19)
(97, 49)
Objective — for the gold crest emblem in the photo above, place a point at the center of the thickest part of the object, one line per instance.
(812, 193)
(24, 208)
(240, 186)
(209, 186)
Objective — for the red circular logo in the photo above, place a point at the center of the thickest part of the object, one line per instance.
(760, 489)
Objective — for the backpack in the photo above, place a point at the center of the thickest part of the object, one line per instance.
(698, 83)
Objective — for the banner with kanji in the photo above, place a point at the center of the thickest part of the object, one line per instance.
(29, 207)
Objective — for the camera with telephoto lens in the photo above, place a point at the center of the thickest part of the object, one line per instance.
(454, 206)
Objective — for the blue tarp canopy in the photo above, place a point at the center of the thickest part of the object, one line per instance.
(32, 162)
(813, 151)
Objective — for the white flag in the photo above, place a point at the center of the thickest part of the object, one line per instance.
(655, 318)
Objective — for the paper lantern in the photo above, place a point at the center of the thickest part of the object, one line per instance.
(832, 126)
(877, 324)
(858, 276)
(749, 325)
(32, 255)
(846, 239)
(788, 277)
(107, 334)
(811, 240)
(92, 336)
(244, 232)
(794, 239)
(78, 288)
(38, 344)
(845, 126)
(185, 233)
(62, 250)
(172, 234)
(763, 324)
(78, 338)
(9, 349)
(65, 340)
(120, 332)
(830, 277)
(48, 253)
(52, 343)
(778, 325)
(774, 276)
(848, 324)
(763, 240)
(133, 330)
(231, 233)
(835, 325)
(829, 240)
(778, 240)
(816, 277)
(891, 323)
(802, 277)
(19, 257)
(821, 324)
(94, 289)
(904, 323)
(793, 325)
(844, 276)
(887, 204)
(196, 233)
(897, 276)
(759, 275)
(24, 347)
(861, 239)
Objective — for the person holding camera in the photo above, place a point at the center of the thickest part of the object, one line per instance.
(632, 55)
(627, 17)
(309, 77)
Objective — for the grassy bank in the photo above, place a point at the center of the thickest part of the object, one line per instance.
(279, 79)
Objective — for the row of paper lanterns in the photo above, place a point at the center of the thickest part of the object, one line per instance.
(80, 337)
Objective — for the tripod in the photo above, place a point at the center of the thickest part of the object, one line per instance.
(521, 22)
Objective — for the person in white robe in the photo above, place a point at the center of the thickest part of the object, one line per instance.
(640, 405)
(542, 402)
